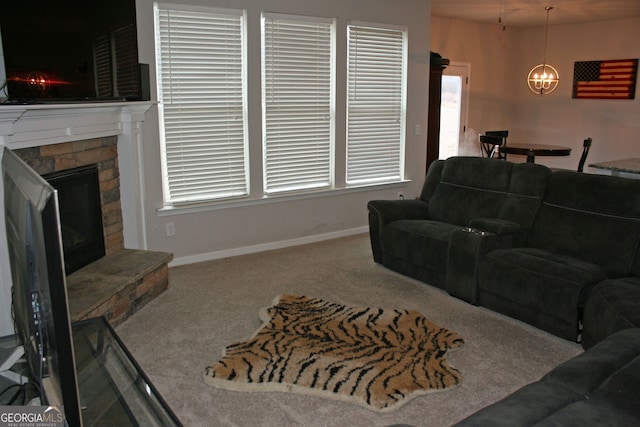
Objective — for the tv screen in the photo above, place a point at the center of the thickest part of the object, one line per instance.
(39, 294)
(72, 50)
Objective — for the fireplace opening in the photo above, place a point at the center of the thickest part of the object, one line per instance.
(80, 215)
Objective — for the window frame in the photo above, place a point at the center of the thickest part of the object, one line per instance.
(288, 169)
(253, 116)
(237, 158)
(367, 113)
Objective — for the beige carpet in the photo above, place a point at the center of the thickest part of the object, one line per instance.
(379, 358)
(209, 305)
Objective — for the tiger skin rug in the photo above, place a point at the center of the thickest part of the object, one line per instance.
(377, 358)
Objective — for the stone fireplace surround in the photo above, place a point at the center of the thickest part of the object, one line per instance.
(102, 152)
(55, 137)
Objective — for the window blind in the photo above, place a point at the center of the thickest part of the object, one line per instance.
(297, 102)
(375, 103)
(202, 103)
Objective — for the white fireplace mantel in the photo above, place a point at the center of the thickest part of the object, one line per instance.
(25, 126)
(34, 125)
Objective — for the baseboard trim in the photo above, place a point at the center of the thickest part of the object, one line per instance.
(245, 250)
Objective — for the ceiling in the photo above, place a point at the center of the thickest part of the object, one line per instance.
(531, 13)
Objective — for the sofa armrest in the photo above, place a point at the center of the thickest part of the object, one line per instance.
(383, 212)
(498, 226)
(467, 248)
(393, 210)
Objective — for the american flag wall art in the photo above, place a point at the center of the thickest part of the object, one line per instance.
(611, 79)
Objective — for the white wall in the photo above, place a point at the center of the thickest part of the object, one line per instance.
(251, 226)
(488, 49)
(500, 61)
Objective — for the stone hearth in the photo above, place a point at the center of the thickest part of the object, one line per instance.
(117, 285)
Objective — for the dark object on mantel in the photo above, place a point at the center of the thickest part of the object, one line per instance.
(438, 64)
(74, 50)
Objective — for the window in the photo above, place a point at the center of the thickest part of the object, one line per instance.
(375, 103)
(201, 83)
(297, 67)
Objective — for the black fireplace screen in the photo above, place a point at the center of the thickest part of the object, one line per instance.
(80, 215)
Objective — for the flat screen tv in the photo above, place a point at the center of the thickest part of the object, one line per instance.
(72, 50)
(39, 293)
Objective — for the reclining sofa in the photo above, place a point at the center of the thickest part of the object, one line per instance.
(558, 250)
(600, 387)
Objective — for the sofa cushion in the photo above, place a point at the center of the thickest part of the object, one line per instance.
(593, 218)
(549, 284)
(612, 305)
(528, 275)
(470, 188)
(526, 189)
(421, 243)
(432, 179)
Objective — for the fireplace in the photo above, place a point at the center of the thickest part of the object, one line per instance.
(97, 158)
(80, 215)
(103, 138)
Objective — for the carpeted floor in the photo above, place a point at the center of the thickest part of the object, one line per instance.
(209, 305)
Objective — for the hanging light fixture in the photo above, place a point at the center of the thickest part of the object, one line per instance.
(543, 78)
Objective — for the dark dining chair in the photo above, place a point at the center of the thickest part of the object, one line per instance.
(586, 146)
(490, 145)
(502, 134)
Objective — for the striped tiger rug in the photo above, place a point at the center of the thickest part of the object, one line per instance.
(377, 358)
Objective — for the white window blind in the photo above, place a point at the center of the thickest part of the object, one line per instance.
(297, 102)
(375, 103)
(202, 103)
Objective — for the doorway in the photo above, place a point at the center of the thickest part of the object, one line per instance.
(453, 109)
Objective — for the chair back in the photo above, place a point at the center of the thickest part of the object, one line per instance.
(489, 145)
(502, 134)
(585, 152)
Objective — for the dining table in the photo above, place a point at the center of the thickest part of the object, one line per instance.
(534, 150)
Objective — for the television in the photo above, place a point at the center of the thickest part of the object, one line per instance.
(39, 292)
(70, 51)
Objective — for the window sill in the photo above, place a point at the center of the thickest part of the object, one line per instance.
(279, 198)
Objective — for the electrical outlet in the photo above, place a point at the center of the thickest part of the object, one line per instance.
(400, 195)
(170, 228)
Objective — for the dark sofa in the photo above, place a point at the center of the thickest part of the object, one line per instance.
(558, 250)
(600, 387)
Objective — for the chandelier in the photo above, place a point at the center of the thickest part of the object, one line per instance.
(543, 78)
